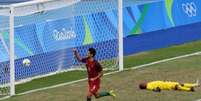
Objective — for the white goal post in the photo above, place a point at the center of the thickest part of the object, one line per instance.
(15, 13)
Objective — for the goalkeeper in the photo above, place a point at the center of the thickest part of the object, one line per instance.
(94, 70)
(157, 86)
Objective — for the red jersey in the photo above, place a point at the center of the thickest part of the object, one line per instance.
(93, 67)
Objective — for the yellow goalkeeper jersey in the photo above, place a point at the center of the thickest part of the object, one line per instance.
(163, 85)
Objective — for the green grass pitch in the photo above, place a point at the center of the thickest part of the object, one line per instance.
(126, 83)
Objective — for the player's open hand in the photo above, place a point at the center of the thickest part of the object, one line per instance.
(74, 50)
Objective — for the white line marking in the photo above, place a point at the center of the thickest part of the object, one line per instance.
(166, 60)
(6, 97)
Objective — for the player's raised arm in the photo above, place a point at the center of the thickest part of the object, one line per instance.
(77, 55)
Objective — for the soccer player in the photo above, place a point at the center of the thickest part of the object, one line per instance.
(94, 70)
(157, 86)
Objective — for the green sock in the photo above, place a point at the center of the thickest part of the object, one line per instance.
(102, 94)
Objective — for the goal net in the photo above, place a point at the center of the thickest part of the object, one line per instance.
(45, 31)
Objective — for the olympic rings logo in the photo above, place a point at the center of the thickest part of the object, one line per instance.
(190, 9)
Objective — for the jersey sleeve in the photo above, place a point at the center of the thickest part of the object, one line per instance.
(98, 67)
(156, 86)
(84, 60)
(152, 86)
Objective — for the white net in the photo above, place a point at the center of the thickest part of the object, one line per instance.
(4, 54)
(99, 20)
(46, 32)
(44, 39)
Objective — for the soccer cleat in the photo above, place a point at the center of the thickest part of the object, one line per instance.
(192, 89)
(112, 94)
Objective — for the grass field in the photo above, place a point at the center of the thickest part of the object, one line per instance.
(125, 83)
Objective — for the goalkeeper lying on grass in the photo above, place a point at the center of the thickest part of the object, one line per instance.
(157, 86)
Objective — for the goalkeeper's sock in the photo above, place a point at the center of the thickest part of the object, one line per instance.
(88, 98)
(183, 88)
(189, 85)
(198, 83)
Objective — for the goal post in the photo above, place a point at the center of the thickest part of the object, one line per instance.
(12, 52)
(120, 33)
(40, 36)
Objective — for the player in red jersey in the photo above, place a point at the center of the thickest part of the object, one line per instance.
(94, 70)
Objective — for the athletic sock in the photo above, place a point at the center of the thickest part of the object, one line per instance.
(88, 98)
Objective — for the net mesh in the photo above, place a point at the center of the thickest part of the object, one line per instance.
(44, 37)
(4, 54)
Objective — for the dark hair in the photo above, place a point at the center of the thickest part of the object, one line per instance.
(143, 86)
(92, 51)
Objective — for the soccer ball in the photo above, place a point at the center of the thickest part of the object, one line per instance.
(26, 62)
